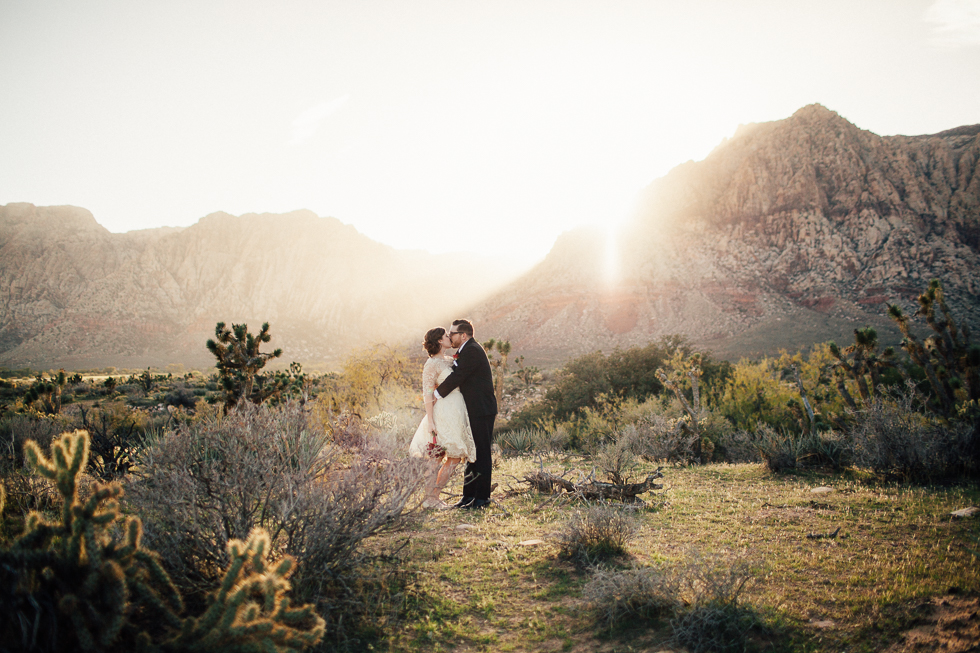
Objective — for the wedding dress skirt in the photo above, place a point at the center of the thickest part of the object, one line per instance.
(452, 420)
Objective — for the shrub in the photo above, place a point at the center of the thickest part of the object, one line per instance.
(715, 628)
(738, 446)
(617, 460)
(87, 579)
(181, 397)
(714, 619)
(701, 597)
(17, 429)
(657, 437)
(116, 435)
(518, 441)
(891, 439)
(207, 482)
(600, 531)
(640, 593)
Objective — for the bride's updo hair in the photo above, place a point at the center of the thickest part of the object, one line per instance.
(431, 341)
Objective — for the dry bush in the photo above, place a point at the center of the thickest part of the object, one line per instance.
(657, 437)
(715, 628)
(16, 429)
(617, 459)
(25, 490)
(714, 619)
(890, 438)
(600, 531)
(739, 446)
(214, 480)
(640, 593)
(701, 597)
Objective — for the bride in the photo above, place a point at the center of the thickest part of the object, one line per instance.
(444, 436)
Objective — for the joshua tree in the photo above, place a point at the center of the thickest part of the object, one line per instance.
(499, 365)
(526, 374)
(692, 369)
(239, 361)
(861, 361)
(950, 362)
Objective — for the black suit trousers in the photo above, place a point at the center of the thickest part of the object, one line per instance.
(477, 480)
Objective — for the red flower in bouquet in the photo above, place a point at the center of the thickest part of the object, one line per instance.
(435, 451)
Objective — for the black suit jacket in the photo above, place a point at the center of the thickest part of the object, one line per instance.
(472, 375)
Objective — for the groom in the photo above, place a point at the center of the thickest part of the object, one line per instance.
(471, 374)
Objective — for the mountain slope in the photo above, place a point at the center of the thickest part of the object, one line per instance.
(71, 293)
(789, 232)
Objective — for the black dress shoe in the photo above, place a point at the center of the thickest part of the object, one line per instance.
(476, 504)
(464, 502)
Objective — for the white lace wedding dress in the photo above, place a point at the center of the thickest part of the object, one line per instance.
(452, 421)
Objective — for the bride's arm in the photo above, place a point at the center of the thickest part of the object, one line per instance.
(429, 376)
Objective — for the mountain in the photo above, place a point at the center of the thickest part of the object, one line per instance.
(789, 233)
(73, 294)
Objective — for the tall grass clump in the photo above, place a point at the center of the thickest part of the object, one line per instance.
(207, 483)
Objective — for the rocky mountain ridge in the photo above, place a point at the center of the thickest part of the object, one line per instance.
(789, 232)
(73, 294)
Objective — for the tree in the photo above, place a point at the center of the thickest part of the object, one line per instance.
(860, 362)
(239, 362)
(682, 366)
(364, 379)
(499, 365)
(950, 362)
(527, 374)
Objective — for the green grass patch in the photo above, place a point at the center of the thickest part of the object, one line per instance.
(859, 589)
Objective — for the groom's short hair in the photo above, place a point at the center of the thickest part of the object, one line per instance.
(464, 326)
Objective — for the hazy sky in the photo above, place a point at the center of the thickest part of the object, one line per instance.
(459, 125)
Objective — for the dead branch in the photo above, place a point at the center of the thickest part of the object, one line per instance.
(588, 488)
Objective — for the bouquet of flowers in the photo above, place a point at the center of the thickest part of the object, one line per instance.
(435, 451)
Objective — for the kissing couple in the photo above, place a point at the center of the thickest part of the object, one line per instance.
(460, 408)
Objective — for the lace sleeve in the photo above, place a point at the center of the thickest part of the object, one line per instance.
(430, 374)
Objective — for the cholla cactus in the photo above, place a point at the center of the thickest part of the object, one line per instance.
(76, 568)
(384, 421)
(91, 588)
(250, 611)
(47, 393)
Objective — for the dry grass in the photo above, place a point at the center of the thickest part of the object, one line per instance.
(477, 587)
